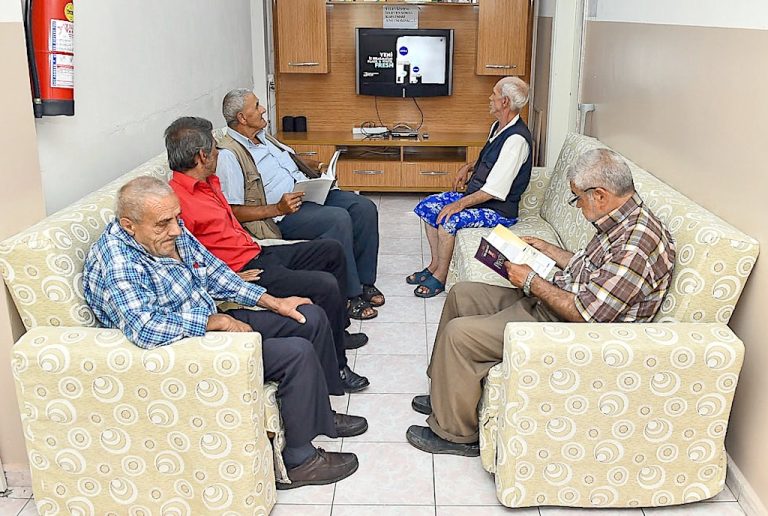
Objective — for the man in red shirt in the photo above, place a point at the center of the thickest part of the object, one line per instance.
(315, 269)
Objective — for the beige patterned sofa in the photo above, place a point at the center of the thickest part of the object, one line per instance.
(114, 429)
(616, 415)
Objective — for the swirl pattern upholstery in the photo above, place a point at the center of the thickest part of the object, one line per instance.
(611, 415)
(613, 391)
(115, 429)
(42, 267)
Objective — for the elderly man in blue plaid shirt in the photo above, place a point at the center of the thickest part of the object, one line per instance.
(148, 276)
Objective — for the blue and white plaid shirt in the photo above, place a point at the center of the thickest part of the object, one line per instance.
(156, 301)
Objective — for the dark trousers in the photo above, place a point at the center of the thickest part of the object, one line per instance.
(350, 219)
(309, 269)
(301, 358)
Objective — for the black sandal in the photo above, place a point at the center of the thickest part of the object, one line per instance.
(357, 308)
(369, 292)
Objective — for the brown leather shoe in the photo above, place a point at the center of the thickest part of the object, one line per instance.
(324, 468)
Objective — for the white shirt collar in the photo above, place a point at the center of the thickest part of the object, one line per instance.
(512, 122)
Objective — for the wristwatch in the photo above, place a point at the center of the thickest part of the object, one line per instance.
(527, 283)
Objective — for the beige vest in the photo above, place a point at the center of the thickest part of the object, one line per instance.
(254, 189)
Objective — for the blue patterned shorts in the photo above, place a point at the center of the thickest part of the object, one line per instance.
(429, 208)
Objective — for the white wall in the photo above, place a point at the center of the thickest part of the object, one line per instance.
(10, 11)
(745, 14)
(136, 69)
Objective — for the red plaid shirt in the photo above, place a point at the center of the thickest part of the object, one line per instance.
(625, 270)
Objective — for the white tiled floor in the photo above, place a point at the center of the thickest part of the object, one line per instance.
(394, 478)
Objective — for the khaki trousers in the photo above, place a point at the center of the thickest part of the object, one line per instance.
(469, 342)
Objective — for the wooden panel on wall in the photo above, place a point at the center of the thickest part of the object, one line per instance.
(330, 103)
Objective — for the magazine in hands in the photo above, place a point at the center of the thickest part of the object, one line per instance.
(502, 245)
(316, 190)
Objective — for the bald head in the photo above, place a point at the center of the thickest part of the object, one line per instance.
(133, 196)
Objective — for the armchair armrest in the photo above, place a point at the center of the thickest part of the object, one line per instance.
(615, 414)
(109, 424)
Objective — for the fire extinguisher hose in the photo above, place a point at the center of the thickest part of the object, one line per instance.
(37, 103)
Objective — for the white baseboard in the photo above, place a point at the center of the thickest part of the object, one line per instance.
(746, 496)
(18, 475)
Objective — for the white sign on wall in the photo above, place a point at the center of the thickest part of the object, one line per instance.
(401, 17)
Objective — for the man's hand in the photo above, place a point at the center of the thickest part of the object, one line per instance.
(285, 306)
(561, 256)
(250, 275)
(462, 175)
(447, 211)
(517, 273)
(537, 243)
(224, 322)
(289, 203)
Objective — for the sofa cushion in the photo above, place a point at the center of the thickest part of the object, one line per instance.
(464, 266)
(572, 228)
(43, 265)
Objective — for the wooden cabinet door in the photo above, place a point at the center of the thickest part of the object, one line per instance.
(359, 175)
(302, 36)
(502, 37)
(437, 176)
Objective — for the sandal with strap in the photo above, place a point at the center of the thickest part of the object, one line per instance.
(358, 307)
(417, 278)
(433, 287)
(370, 292)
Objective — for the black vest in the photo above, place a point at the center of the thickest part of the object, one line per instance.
(487, 159)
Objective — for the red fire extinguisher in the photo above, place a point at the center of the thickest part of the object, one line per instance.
(49, 27)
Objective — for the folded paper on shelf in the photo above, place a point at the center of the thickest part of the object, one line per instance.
(502, 245)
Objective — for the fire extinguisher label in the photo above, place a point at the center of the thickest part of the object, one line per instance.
(62, 36)
(62, 71)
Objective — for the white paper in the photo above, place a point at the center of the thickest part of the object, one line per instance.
(62, 71)
(62, 36)
(315, 190)
(517, 251)
(401, 17)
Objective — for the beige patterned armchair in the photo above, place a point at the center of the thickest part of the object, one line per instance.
(114, 429)
(616, 415)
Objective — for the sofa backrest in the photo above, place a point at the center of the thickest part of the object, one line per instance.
(43, 265)
(713, 261)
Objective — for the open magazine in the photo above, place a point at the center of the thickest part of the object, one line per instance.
(502, 245)
(316, 190)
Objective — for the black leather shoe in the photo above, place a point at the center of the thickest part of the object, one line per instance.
(423, 438)
(351, 381)
(348, 425)
(324, 468)
(422, 404)
(354, 340)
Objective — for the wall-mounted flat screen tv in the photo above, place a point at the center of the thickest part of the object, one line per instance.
(404, 62)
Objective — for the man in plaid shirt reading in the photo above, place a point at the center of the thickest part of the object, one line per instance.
(149, 277)
(621, 276)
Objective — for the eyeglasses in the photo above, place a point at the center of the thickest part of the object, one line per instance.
(573, 200)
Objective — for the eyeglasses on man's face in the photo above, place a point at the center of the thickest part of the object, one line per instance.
(573, 200)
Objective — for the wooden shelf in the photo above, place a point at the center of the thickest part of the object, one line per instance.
(390, 164)
(445, 139)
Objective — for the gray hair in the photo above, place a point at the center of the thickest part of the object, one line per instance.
(516, 90)
(602, 168)
(233, 103)
(184, 138)
(133, 195)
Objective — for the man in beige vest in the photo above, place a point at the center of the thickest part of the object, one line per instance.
(257, 178)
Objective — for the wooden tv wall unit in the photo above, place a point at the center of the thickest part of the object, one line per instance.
(315, 61)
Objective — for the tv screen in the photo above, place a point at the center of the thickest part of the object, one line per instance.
(404, 62)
